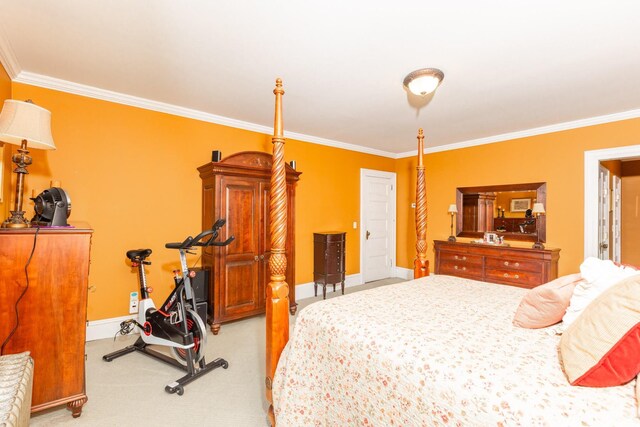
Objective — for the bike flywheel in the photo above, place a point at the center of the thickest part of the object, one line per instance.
(196, 326)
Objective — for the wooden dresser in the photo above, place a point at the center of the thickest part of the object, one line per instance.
(523, 267)
(237, 190)
(53, 311)
(328, 260)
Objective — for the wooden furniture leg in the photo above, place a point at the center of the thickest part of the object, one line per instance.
(76, 406)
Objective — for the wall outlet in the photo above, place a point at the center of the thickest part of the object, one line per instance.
(355, 225)
(133, 303)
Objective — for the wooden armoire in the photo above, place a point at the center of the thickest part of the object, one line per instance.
(237, 190)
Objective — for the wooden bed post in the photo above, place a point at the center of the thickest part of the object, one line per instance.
(277, 307)
(421, 264)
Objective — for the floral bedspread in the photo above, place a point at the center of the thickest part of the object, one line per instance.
(434, 351)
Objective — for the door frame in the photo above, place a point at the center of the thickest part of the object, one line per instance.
(392, 213)
(604, 208)
(591, 162)
(616, 227)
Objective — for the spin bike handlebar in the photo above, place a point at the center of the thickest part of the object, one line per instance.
(190, 242)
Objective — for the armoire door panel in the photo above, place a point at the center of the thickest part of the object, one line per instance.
(239, 204)
(241, 290)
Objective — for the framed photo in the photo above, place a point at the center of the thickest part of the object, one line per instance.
(520, 205)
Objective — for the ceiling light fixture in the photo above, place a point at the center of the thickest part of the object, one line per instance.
(424, 81)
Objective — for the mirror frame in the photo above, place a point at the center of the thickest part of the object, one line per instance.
(541, 197)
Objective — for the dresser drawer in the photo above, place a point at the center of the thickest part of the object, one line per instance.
(460, 258)
(461, 270)
(513, 265)
(524, 279)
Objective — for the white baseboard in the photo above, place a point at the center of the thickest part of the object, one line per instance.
(305, 290)
(104, 328)
(404, 273)
(107, 328)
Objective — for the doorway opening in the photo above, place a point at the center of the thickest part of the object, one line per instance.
(594, 215)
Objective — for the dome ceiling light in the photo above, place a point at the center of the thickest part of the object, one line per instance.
(424, 81)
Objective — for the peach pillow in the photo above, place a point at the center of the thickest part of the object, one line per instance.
(602, 347)
(545, 305)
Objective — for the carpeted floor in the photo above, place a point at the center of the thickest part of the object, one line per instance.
(130, 390)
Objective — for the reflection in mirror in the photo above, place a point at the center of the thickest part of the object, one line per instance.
(502, 209)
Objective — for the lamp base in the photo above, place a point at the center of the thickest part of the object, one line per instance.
(16, 220)
(452, 238)
(537, 245)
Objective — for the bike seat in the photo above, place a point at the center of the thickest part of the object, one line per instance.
(138, 254)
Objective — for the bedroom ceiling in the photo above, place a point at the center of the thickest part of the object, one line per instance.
(510, 67)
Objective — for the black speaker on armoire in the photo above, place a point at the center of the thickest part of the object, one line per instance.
(200, 285)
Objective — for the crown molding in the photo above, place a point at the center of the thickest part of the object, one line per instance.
(615, 117)
(8, 57)
(147, 104)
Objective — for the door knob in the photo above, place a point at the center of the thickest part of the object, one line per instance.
(368, 234)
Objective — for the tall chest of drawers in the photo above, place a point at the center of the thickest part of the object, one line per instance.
(328, 260)
(522, 267)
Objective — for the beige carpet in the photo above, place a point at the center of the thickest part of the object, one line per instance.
(130, 390)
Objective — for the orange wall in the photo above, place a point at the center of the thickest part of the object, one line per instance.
(5, 153)
(555, 158)
(630, 213)
(131, 174)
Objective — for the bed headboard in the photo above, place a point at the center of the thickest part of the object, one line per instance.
(421, 264)
(277, 303)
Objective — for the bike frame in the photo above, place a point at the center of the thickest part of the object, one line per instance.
(170, 307)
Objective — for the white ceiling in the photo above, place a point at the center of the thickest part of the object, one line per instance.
(510, 67)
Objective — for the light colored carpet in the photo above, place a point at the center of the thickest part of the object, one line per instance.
(130, 390)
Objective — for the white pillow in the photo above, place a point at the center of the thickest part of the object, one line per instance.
(598, 276)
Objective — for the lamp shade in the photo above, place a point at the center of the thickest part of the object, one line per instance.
(424, 81)
(453, 209)
(20, 120)
(538, 208)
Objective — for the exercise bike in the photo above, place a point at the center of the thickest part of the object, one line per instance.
(176, 324)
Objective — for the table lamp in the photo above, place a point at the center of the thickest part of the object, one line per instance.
(23, 123)
(453, 209)
(538, 209)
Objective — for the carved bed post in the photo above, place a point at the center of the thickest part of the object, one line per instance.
(277, 308)
(421, 264)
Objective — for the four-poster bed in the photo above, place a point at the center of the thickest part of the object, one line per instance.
(432, 351)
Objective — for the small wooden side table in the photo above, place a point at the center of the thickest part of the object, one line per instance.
(328, 260)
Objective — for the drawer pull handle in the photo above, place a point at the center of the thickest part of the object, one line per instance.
(464, 258)
(516, 276)
(506, 274)
(455, 267)
(517, 264)
(464, 268)
(506, 263)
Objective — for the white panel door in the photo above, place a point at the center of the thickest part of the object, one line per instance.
(603, 213)
(617, 227)
(378, 212)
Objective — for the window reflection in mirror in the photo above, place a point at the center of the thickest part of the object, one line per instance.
(503, 209)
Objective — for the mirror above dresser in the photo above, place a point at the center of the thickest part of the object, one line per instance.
(507, 210)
